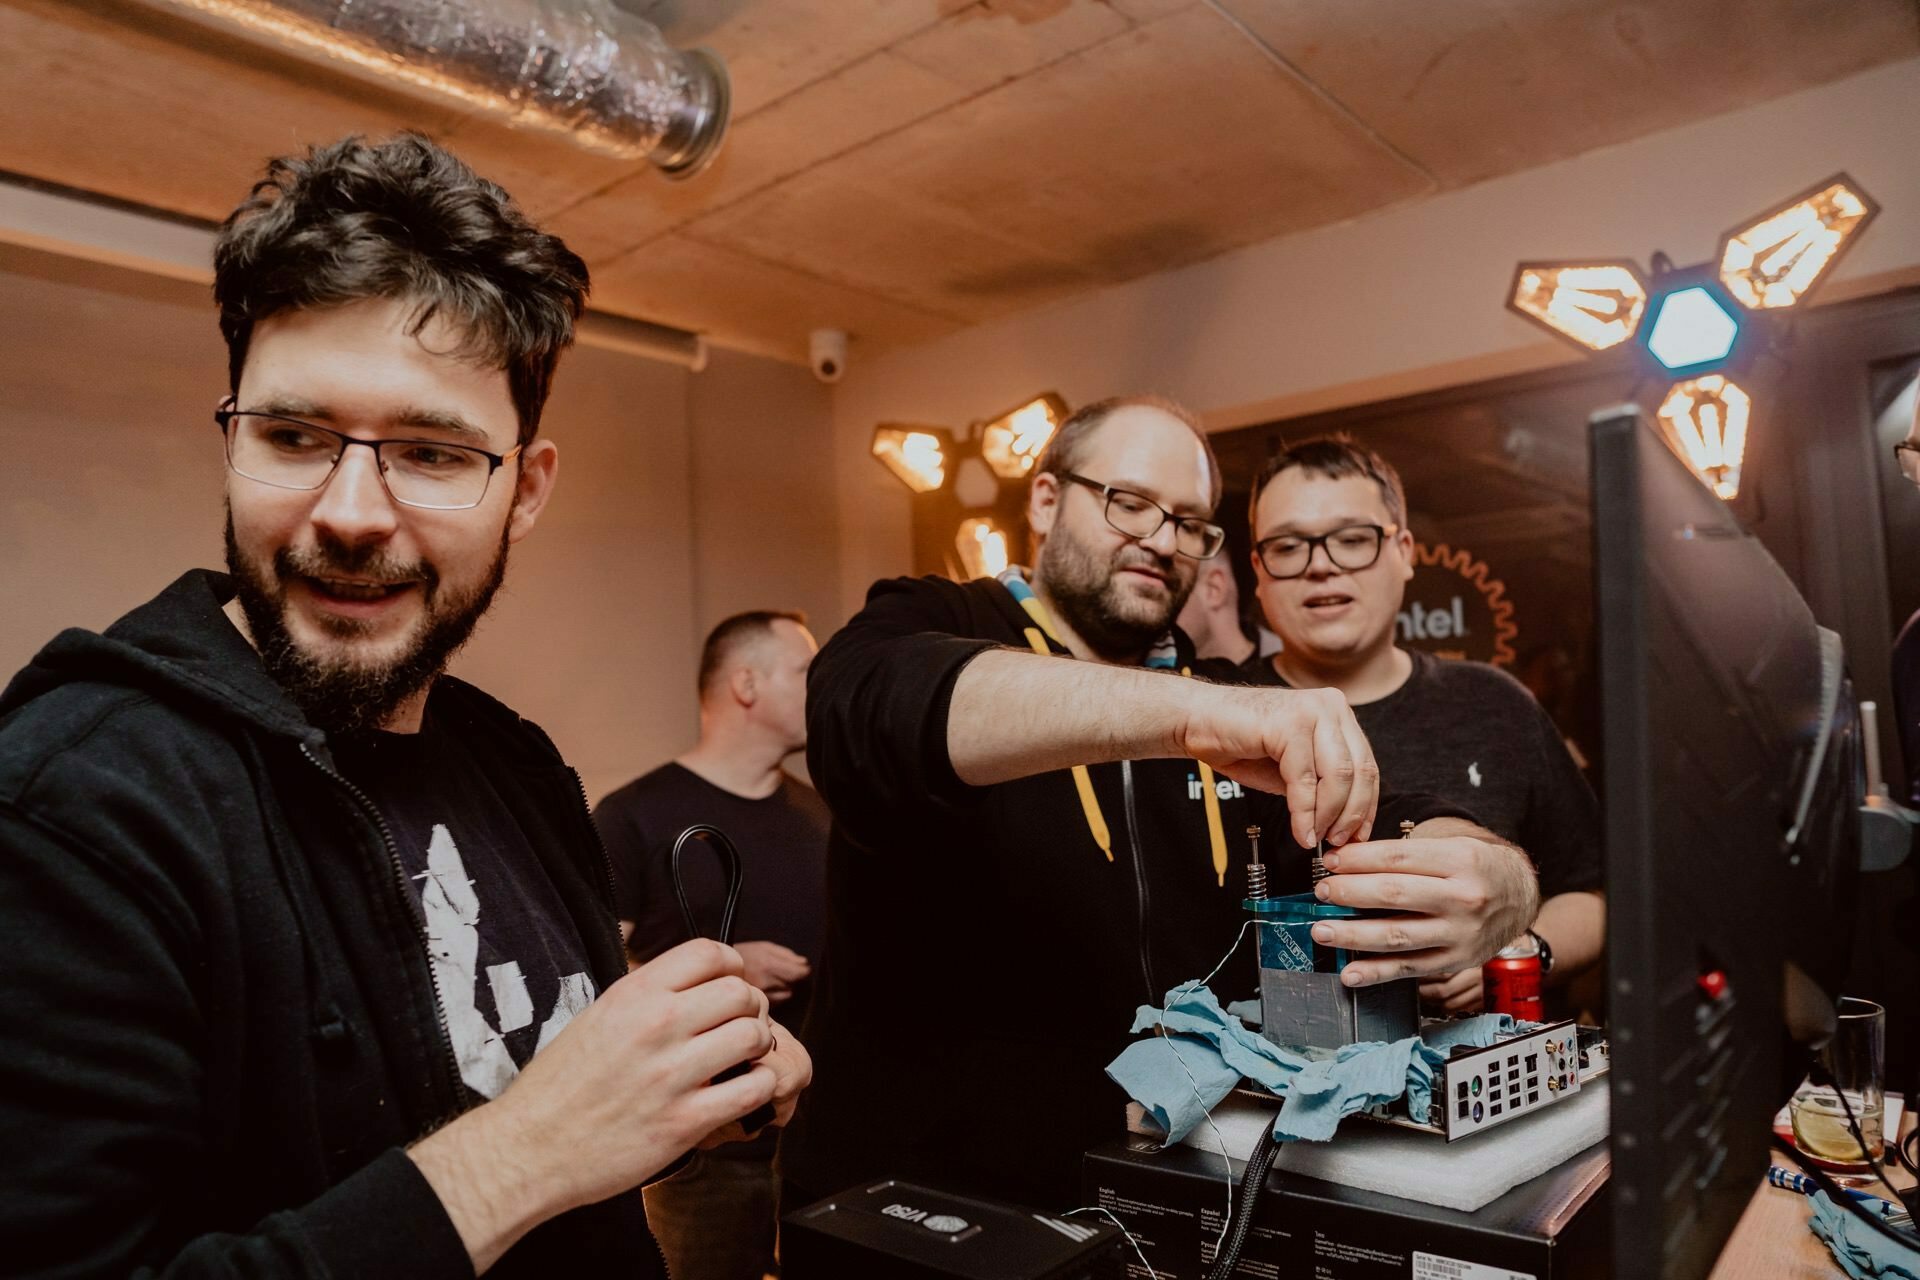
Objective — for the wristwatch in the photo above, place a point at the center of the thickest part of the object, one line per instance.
(1546, 953)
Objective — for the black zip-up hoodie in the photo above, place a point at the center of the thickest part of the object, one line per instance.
(221, 1027)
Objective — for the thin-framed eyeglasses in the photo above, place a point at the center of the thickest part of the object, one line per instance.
(1351, 547)
(289, 453)
(1140, 517)
(1907, 454)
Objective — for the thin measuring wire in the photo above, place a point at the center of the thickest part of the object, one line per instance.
(1220, 1138)
(1094, 1208)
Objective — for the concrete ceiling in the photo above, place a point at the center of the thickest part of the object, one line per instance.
(905, 168)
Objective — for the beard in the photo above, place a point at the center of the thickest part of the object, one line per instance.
(338, 692)
(1084, 586)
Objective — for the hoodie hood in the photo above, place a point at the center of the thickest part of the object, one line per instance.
(180, 647)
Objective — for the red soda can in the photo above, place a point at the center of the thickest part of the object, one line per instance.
(1512, 981)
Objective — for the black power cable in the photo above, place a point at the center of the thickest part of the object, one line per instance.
(1252, 1180)
(763, 1115)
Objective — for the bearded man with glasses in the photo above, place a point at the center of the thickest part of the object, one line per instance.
(314, 969)
(1332, 556)
(1037, 792)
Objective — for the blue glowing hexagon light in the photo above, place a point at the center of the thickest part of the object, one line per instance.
(1690, 328)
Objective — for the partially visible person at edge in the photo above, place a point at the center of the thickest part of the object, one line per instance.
(313, 966)
(1333, 556)
(715, 1217)
(1034, 816)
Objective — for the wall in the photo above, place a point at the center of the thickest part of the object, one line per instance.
(681, 497)
(1406, 300)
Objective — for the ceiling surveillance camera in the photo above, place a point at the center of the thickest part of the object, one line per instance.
(827, 353)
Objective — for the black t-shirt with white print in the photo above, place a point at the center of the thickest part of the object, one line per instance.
(508, 965)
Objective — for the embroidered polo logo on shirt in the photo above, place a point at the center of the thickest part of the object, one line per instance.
(1223, 788)
(452, 911)
(1473, 773)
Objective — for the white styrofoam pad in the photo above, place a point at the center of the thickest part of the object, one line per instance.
(1420, 1166)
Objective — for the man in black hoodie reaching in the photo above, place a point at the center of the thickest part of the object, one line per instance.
(290, 912)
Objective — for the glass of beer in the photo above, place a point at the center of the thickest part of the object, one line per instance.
(1855, 1062)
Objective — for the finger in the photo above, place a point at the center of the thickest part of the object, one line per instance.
(1466, 1000)
(690, 964)
(1428, 857)
(779, 995)
(1391, 934)
(1333, 761)
(1356, 820)
(1300, 784)
(728, 1045)
(1429, 895)
(726, 1103)
(1407, 964)
(716, 1003)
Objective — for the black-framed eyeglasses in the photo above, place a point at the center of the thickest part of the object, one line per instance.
(1138, 516)
(289, 453)
(1907, 454)
(1351, 547)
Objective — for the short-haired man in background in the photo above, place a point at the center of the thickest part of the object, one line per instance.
(1211, 616)
(311, 965)
(714, 1218)
(1333, 557)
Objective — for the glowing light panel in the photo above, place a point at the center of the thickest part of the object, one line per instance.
(915, 454)
(982, 547)
(1705, 420)
(1598, 306)
(1774, 262)
(1691, 328)
(1011, 442)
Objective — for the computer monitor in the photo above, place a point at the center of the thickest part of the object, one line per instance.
(1732, 778)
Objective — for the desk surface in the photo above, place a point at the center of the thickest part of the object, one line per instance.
(1772, 1239)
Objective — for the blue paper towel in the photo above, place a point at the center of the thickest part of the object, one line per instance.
(1858, 1248)
(1180, 1076)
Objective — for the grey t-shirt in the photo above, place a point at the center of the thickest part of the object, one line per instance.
(1472, 735)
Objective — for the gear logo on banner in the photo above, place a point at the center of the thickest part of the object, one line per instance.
(1456, 608)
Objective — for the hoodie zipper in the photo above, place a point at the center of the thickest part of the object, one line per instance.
(1139, 877)
(606, 862)
(359, 797)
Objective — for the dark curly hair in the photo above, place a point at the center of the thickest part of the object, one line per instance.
(402, 219)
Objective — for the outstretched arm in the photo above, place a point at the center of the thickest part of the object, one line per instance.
(1015, 714)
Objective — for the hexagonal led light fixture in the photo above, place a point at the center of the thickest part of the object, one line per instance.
(1695, 316)
(1690, 328)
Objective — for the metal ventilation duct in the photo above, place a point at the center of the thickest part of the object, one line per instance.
(603, 77)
